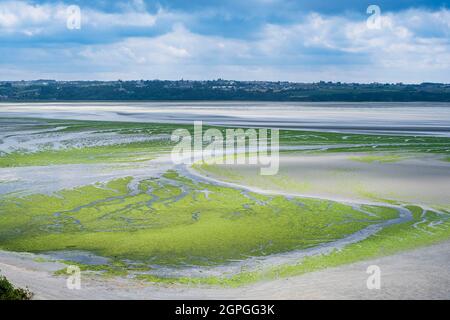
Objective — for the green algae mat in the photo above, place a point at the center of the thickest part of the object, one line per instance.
(162, 225)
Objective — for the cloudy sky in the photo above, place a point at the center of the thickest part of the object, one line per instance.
(301, 40)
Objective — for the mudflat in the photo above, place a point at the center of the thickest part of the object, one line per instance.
(422, 273)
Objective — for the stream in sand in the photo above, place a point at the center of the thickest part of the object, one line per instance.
(415, 118)
(27, 178)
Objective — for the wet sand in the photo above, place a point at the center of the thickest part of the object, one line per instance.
(419, 274)
(421, 180)
(422, 273)
(386, 117)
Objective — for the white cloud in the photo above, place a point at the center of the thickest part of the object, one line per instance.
(411, 46)
(16, 14)
(400, 45)
(180, 46)
(25, 18)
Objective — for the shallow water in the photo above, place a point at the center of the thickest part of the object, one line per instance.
(49, 179)
(411, 117)
(420, 179)
(77, 256)
(416, 118)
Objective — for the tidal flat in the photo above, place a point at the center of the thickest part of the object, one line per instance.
(105, 195)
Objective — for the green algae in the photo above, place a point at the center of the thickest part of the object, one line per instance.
(386, 158)
(388, 241)
(169, 223)
(175, 221)
(141, 151)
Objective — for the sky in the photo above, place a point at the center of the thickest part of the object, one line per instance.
(278, 40)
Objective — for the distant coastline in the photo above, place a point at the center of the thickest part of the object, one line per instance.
(219, 90)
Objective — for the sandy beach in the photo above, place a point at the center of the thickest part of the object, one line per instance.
(418, 274)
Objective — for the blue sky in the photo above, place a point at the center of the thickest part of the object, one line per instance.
(245, 40)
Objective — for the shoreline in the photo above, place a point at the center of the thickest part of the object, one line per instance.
(422, 273)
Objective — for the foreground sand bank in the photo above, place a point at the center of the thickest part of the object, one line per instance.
(418, 274)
